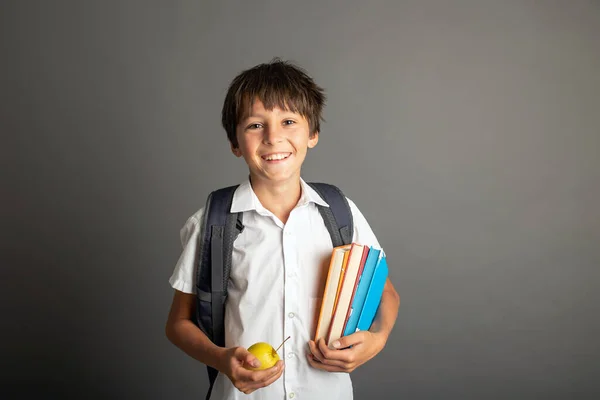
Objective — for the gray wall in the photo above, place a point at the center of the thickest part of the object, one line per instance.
(466, 131)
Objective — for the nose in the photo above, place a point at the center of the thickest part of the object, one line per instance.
(272, 134)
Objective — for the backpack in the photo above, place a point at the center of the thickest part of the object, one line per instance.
(219, 230)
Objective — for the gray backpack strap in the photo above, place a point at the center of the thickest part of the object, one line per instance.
(221, 256)
(219, 230)
(338, 216)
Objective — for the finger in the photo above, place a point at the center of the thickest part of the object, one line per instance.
(248, 381)
(276, 375)
(263, 375)
(249, 376)
(314, 349)
(336, 363)
(245, 358)
(265, 380)
(275, 371)
(341, 358)
(350, 340)
(325, 367)
(250, 360)
(327, 352)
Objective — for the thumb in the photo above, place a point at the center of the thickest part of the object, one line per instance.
(249, 359)
(347, 341)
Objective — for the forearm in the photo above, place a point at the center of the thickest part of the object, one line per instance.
(188, 337)
(387, 312)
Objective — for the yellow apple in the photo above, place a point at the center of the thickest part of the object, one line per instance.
(265, 353)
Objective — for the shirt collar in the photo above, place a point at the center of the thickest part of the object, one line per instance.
(244, 198)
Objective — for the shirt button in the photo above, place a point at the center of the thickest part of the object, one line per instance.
(292, 395)
(291, 315)
(290, 355)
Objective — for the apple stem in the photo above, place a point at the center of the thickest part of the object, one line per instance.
(282, 343)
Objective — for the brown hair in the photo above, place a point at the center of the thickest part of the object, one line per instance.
(276, 84)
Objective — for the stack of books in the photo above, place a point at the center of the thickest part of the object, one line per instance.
(353, 290)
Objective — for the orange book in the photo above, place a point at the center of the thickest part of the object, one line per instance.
(339, 255)
(341, 279)
(343, 302)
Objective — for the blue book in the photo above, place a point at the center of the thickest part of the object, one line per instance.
(361, 290)
(373, 295)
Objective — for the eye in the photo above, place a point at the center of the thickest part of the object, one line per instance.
(289, 122)
(254, 126)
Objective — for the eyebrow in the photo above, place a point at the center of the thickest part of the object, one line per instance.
(284, 114)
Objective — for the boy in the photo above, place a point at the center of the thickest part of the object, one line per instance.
(272, 116)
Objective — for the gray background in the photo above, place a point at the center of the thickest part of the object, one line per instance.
(466, 131)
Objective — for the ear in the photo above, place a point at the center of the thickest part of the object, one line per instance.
(313, 140)
(235, 150)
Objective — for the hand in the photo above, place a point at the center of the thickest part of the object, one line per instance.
(365, 345)
(245, 380)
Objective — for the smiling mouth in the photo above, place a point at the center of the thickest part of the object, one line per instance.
(276, 156)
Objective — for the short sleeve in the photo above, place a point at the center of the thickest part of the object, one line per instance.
(363, 233)
(183, 277)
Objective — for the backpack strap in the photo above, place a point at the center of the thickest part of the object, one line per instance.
(338, 216)
(219, 230)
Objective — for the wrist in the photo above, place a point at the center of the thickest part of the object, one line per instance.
(220, 359)
(380, 339)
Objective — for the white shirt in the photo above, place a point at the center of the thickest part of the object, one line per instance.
(275, 288)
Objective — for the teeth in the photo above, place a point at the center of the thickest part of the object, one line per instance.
(280, 156)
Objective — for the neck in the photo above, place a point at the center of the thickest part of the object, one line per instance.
(280, 198)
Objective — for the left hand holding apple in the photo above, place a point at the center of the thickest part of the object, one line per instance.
(342, 357)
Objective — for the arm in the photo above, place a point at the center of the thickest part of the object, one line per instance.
(365, 344)
(386, 314)
(183, 333)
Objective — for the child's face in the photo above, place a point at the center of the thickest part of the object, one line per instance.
(273, 143)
